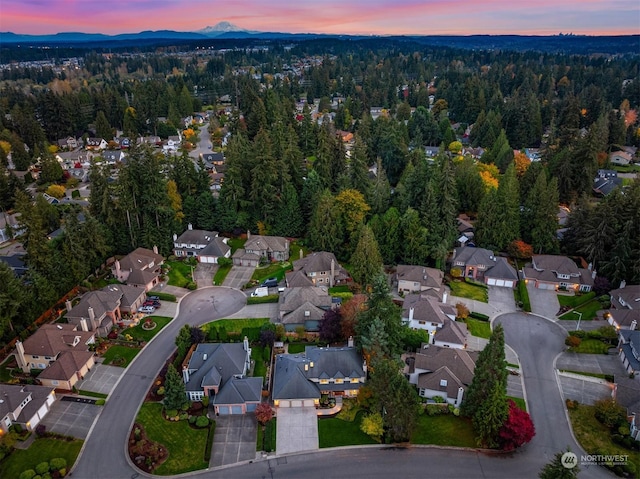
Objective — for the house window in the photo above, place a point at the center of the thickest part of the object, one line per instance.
(323, 273)
(48, 358)
(443, 383)
(339, 381)
(422, 322)
(324, 381)
(355, 380)
(55, 383)
(35, 357)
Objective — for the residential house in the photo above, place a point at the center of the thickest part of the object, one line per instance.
(271, 248)
(16, 263)
(171, 145)
(416, 279)
(25, 405)
(466, 230)
(139, 268)
(558, 272)
(440, 372)
(207, 246)
(61, 350)
(605, 182)
(303, 307)
(112, 157)
(482, 265)
(213, 159)
(244, 258)
(300, 380)
(431, 151)
(629, 350)
(627, 394)
(423, 311)
(69, 143)
(625, 306)
(96, 144)
(321, 268)
(534, 154)
(620, 158)
(218, 371)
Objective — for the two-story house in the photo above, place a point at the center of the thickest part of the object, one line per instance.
(558, 272)
(218, 371)
(423, 311)
(96, 144)
(625, 306)
(629, 350)
(303, 307)
(417, 279)
(139, 268)
(321, 269)
(25, 405)
(271, 248)
(301, 379)
(482, 265)
(206, 246)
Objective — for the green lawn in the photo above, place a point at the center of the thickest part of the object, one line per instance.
(186, 446)
(115, 354)
(519, 402)
(296, 348)
(594, 436)
(334, 432)
(140, 334)
(272, 270)
(522, 296)
(588, 310)
(343, 288)
(260, 368)
(444, 430)
(294, 251)
(221, 274)
(179, 273)
(236, 243)
(574, 301)
(591, 346)
(43, 449)
(5, 371)
(269, 437)
(235, 325)
(468, 290)
(481, 329)
(626, 168)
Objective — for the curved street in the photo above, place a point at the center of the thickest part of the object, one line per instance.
(105, 450)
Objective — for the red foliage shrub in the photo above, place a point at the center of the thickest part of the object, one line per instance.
(517, 430)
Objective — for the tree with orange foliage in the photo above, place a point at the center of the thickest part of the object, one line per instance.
(520, 250)
(350, 311)
(522, 163)
(489, 181)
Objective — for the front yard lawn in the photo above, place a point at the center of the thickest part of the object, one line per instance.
(186, 446)
(273, 270)
(120, 356)
(595, 437)
(481, 329)
(444, 430)
(588, 310)
(463, 289)
(43, 449)
(179, 273)
(221, 274)
(269, 437)
(235, 326)
(140, 334)
(574, 301)
(591, 346)
(334, 432)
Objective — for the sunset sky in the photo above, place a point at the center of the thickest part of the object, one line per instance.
(383, 17)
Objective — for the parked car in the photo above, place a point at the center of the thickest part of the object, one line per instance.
(260, 292)
(153, 298)
(146, 309)
(155, 304)
(270, 282)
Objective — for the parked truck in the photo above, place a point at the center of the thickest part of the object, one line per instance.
(260, 292)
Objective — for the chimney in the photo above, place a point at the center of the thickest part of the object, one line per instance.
(245, 343)
(67, 305)
(155, 249)
(175, 237)
(185, 374)
(411, 313)
(459, 397)
(444, 296)
(190, 227)
(248, 234)
(333, 272)
(20, 357)
(623, 283)
(590, 266)
(83, 324)
(92, 314)
(204, 357)
(593, 274)
(633, 325)
(117, 265)
(301, 253)
(350, 342)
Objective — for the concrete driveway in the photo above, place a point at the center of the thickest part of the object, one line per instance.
(238, 276)
(101, 379)
(584, 389)
(591, 363)
(71, 418)
(204, 273)
(544, 302)
(234, 440)
(297, 430)
(502, 299)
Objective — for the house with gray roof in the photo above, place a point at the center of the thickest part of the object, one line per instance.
(218, 371)
(25, 405)
(322, 269)
(206, 246)
(245, 258)
(303, 306)
(501, 274)
(271, 248)
(629, 347)
(625, 307)
(441, 371)
(481, 264)
(423, 311)
(301, 379)
(627, 394)
(139, 268)
(415, 279)
(558, 272)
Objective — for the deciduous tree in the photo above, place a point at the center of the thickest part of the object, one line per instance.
(517, 430)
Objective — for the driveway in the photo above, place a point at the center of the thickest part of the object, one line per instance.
(71, 418)
(591, 363)
(544, 302)
(584, 389)
(204, 273)
(101, 379)
(502, 299)
(234, 440)
(238, 276)
(297, 430)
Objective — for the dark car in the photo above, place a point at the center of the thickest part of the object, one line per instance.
(153, 298)
(270, 283)
(155, 304)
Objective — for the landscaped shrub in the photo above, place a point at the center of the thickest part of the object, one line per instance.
(517, 430)
(572, 341)
(202, 421)
(436, 409)
(184, 416)
(192, 419)
(479, 316)
(171, 413)
(579, 334)
(57, 463)
(28, 474)
(42, 468)
(192, 285)
(205, 401)
(100, 402)
(160, 391)
(610, 413)
(252, 334)
(63, 472)
(571, 404)
(46, 475)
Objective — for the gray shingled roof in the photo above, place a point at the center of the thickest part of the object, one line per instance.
(502, 270)
(239, 390)
(320, 261)
(51, 339)
(130, 294)
(433, 381)
(214, 364)
(13, 394)
(140, 258)
(298, 279)
(299, 316)
(266, 243)
(473, 256)
(67, 365)
(425, 308)
(452, 332)
(292, 298)
(557, 263)
(100, 301)
(332, 361)
(630, 294)
(460, 362)
(217, 248)
(289, 381)
(196, 236)
(427, 277)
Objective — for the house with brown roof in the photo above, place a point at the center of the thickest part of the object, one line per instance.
(423, 311)
(443, 372)
(416, 279)
(25, 405)
(620, 158)
(482, 265)
(303, 307)
(321, 268)
(139, 268)
(625, 306)
(244, 258)
(206, 246)
(558, 272)
(271, 248)
(61, 350)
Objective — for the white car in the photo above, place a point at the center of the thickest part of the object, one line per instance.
(146, 309)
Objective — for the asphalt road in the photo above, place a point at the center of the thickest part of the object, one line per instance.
(204, 140)
(104, 453)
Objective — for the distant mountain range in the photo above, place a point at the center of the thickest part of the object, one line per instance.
(228, 31)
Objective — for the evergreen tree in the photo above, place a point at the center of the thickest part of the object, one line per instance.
(366, 262)
(175, 395)
(103, 128)
(326, 231)
(415, 238)
(501, 154)
(380, 191)
(540, 215)
(386, 229)
(287, 219)
(490, 416)
(556, 469)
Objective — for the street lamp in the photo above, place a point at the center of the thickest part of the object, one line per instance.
(579, 319)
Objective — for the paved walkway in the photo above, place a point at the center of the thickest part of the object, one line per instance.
(297, 430)
(265, 310)
(234, 440)
(174, 290)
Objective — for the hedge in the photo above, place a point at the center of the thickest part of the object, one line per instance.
(479, 316)
(272, 298)
(209, 446)
(163, 296)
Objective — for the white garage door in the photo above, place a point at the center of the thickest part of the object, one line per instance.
(284, 403)
(509, 284)
(500, 282)
(491, 281)
(224, 410)
(308, 402)
(296, 403)
(207, 259)
(546, 286)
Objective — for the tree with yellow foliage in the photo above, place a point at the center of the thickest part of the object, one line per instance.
(175, 199)
(522, 163)
(57, 191)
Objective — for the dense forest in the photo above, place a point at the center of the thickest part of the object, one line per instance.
(289, 172)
